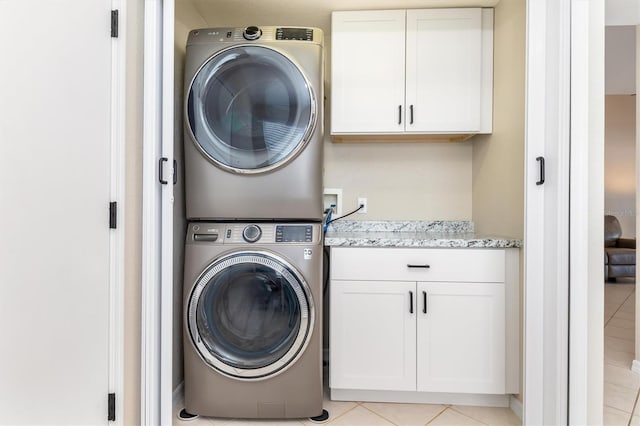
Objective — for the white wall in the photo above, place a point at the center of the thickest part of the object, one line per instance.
(619, 156)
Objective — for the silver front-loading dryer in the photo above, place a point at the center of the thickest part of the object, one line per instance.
(253, 320)
(254, 123)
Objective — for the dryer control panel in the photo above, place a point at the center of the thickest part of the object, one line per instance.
(255, 34)
(254, 233)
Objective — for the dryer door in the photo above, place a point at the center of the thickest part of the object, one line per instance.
(250, 315)
(250, 109)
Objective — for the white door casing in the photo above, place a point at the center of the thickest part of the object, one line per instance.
(565, 65)
(546, 248)
(61, 162)
(157, 206)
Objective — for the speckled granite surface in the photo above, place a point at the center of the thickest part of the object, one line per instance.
(412, 234)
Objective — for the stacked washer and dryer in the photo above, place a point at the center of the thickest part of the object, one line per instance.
(253, 253)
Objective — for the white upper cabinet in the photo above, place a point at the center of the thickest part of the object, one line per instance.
(444, 70)
(413, 72)
(368, 71)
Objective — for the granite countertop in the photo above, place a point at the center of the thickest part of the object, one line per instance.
(440, 233)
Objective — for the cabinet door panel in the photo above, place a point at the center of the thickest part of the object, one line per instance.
(461, 338)
(444, 69)
(372, 335)
(367, 73)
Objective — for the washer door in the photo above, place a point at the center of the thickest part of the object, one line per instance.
(250, 109)
(250, 315)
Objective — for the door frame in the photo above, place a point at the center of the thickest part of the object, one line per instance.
(546, 249)
(157, 214)
(118, 194)
(563, 368)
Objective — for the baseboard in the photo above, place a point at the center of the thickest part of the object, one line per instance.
(516, 406)
(178, 395)
(635, 366)
(412, 397)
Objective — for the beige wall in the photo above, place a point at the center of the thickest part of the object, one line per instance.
(620, 161)
(133, 215)
(498, 159)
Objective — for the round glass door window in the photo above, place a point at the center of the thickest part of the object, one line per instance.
(250, 109)
(250, 315)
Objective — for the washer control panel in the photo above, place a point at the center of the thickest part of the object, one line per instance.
(252, 233)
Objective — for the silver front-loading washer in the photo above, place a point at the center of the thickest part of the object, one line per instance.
(253, 125)
(253, 320)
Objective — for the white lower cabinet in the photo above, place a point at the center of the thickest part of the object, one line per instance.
(373, 345)
(461, 338)
(424, 334)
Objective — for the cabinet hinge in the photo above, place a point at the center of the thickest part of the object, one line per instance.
(111, 415)
(113, 215)
(114, 23)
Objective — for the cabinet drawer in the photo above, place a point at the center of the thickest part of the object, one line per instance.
(417, 264)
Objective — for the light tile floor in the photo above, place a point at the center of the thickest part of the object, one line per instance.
(621, 385)
(382, 414)
(343, 413)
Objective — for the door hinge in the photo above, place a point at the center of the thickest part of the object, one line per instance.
(114, 23)
(111, 416)
(113, 215)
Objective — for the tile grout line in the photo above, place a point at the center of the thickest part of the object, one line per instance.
(619, 307)
(331, 420)
(379, 415)
(439, 414)
(453, 407)
(633, 410)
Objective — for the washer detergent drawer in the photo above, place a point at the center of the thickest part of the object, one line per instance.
(417, 264)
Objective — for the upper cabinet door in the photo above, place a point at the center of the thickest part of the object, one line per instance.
(368, 69)
(444, 70)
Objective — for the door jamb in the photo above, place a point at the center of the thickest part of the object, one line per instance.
(117, 194)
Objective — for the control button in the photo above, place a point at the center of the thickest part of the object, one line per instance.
(252, 33)
(205, 237)
(228, 233)
(251, 233)
(229, 34)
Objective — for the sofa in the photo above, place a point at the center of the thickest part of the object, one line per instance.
(619, 253)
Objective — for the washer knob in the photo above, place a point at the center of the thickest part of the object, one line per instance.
(252, 233)
(252, 33)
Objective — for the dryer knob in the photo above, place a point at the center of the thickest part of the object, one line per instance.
(252, 33)
(252, 233)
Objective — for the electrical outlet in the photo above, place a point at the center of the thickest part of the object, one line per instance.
(362, 202)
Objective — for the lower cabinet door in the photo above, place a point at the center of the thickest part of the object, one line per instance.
(461, 337)
(373, 335)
